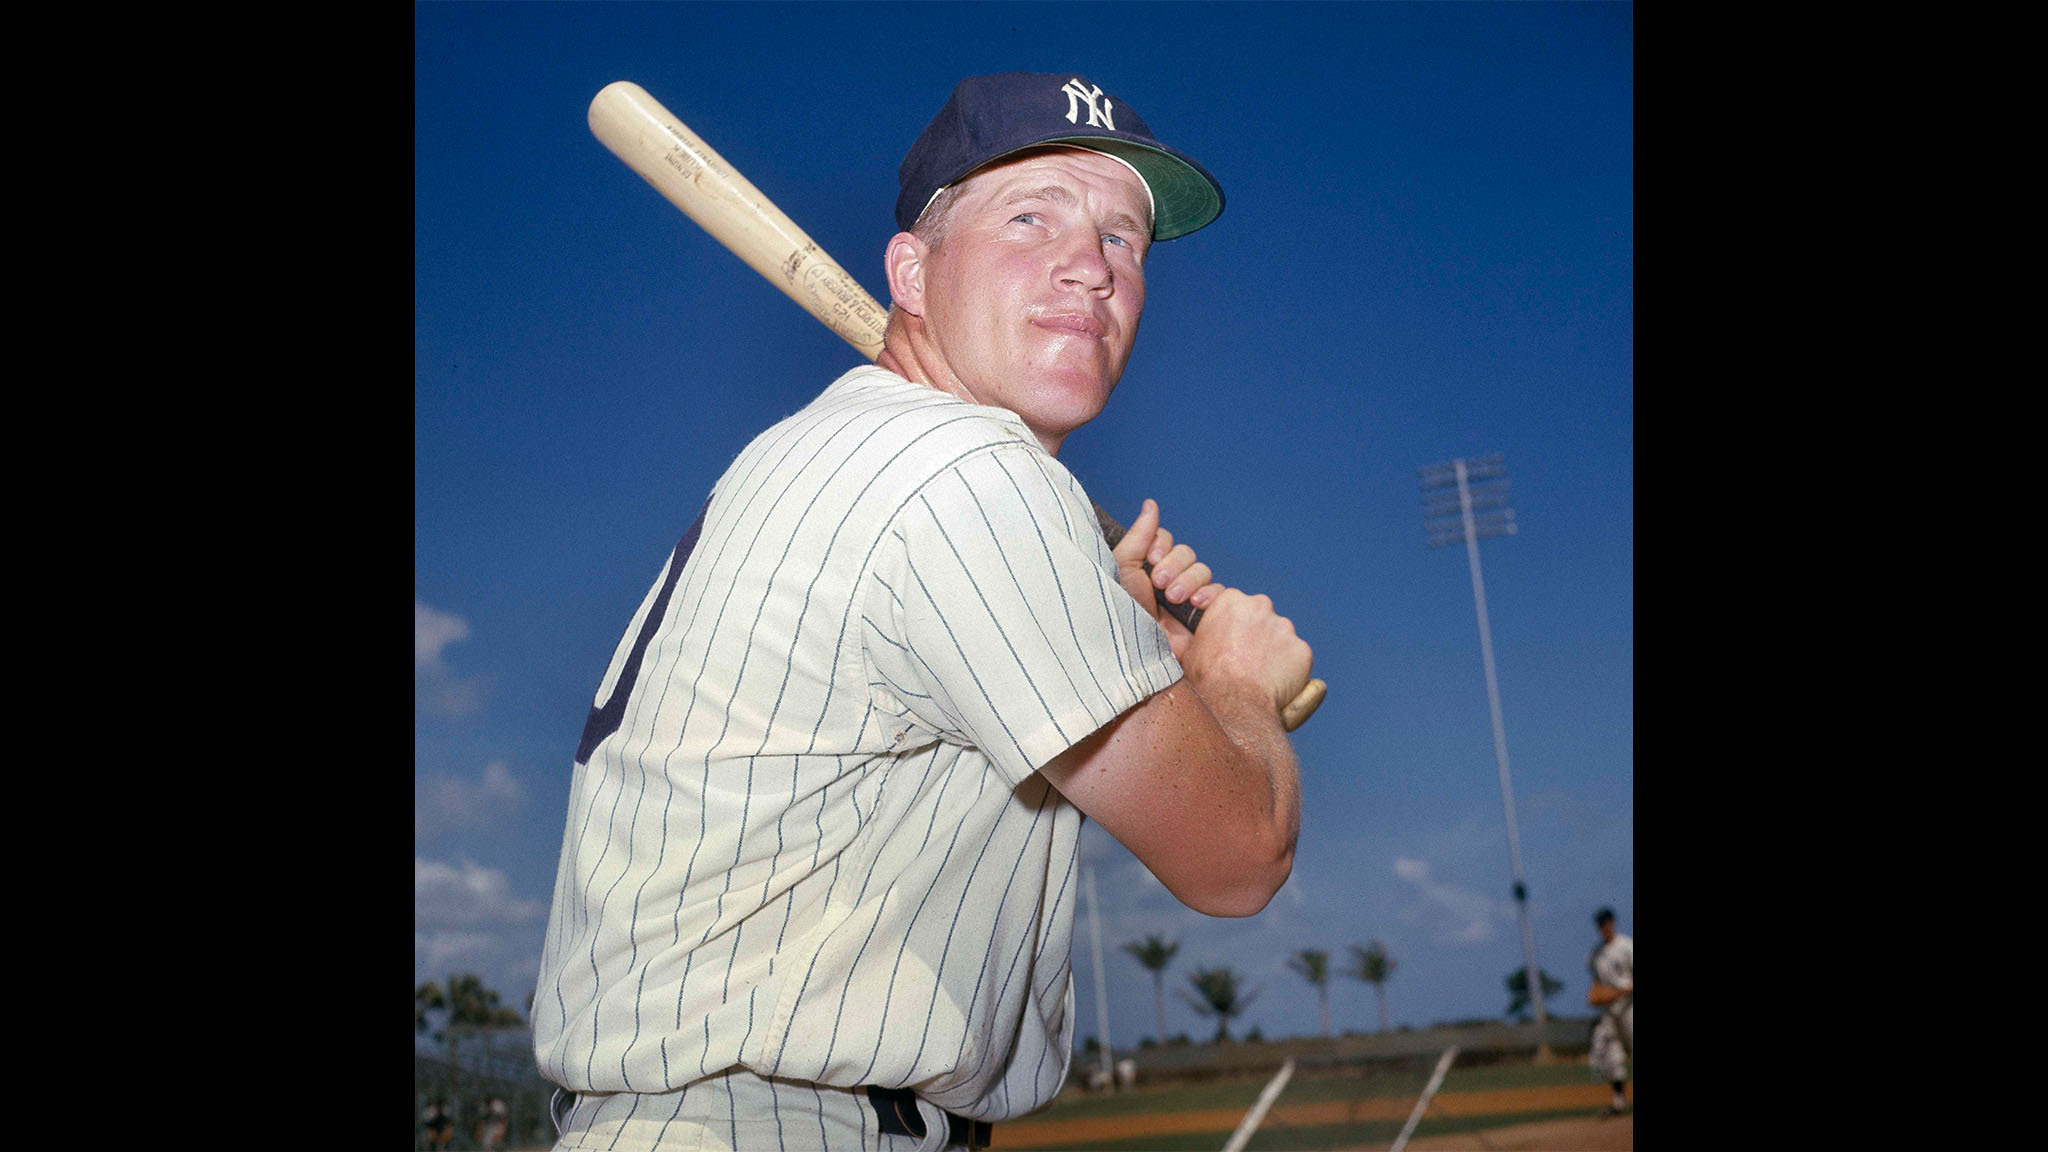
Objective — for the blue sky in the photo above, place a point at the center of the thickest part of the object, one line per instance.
(1428, 252)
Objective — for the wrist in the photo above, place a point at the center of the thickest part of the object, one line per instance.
(1237, 702)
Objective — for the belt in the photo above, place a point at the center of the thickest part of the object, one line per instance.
(896, 1109)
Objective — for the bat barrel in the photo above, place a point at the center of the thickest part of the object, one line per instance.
(691, 175)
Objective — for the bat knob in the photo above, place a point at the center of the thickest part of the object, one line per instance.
(1304, 706)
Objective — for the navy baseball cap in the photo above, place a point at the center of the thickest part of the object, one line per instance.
(989, 117)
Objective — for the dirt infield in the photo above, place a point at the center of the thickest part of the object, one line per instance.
(1210, 1128)
(1598, 1134)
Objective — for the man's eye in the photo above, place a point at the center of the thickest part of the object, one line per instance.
(1113, 238)
(1025, 218)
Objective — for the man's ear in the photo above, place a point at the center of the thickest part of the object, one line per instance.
(904, 263)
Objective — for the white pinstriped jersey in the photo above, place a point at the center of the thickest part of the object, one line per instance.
(1614, 1033)
(1614, 962)
(805, 832)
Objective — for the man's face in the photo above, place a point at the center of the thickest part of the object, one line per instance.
(1032, 300)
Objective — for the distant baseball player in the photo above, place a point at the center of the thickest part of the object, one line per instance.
(440, 1129)
(1614, 993)
(818, 879)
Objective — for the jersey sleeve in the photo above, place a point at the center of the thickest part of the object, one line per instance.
(995, 618)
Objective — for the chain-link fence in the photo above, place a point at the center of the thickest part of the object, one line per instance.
(479, 1089)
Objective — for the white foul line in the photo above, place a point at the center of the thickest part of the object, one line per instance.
(1436, 1080)
(1250, 1123)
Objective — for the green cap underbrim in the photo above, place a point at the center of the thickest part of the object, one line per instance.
(1183, 196)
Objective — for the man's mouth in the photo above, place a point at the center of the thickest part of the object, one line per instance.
(1071, 323)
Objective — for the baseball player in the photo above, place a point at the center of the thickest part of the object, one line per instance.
(1614, 993)
(818, 877)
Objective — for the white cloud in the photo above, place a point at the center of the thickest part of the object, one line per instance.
(441, 801)
(1451, 915)
(466, 919)
(433, 630)
(1293, 892)
(447, 952)
(507, 962)
(437, 691)
(450, 899)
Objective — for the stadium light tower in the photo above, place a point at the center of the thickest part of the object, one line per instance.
(1478, 509)
(1101, 993)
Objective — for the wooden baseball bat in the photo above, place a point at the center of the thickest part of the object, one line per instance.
(695, 178)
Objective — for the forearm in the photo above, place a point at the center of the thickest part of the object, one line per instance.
(1244, 845)
(1210, 802)
(1243, 667)
(1257, 731)
(1605, 994)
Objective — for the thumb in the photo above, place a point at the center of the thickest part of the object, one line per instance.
(1137, 542)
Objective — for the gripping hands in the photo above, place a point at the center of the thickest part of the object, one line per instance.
(1243, 650)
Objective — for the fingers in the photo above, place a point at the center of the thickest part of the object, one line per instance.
(1181, 576)
(1158, 572)
(1174, 569)
(1162, 541)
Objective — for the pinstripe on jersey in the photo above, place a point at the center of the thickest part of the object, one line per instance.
(812, 841)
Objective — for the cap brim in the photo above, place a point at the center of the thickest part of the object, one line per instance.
(1185, 196)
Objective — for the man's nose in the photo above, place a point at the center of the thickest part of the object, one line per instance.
(1082, 266)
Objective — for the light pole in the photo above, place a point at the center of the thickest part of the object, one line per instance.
(1478, 509)
(1101, 995)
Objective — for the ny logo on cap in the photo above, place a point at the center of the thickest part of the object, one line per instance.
(1098, 114)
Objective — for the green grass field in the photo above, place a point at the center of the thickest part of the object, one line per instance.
(1380, 1082)
(1311, 1085)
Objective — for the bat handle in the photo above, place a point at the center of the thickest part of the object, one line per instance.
(1298, 710)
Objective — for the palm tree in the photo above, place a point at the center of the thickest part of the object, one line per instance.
(1372, 965)
(471, 1003)
(469, 1006)
(1218, 996)
(1518, 988)
(426, 998)
(1314, 966)
(1155, 954)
